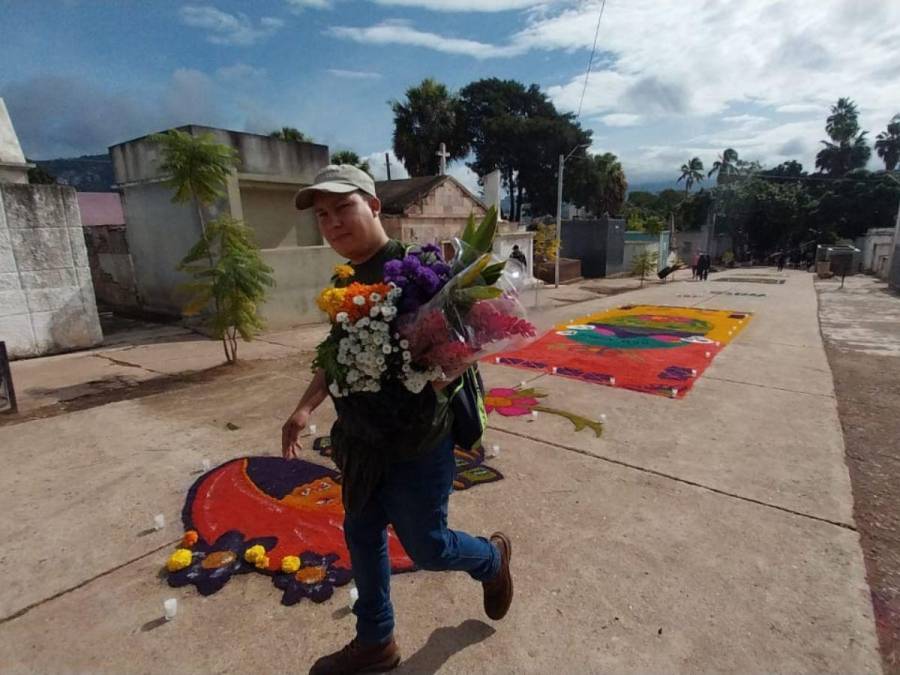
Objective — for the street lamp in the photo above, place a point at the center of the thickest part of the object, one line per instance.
(559, 192)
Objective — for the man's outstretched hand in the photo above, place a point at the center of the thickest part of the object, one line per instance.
(290, 433)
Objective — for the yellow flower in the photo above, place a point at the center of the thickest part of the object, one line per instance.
(180, 559)
(344, 271)
(290, 564)
(330, 299)
(254, 554)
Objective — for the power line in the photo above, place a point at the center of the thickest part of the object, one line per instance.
(591, 60)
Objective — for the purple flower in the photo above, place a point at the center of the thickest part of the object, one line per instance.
(442, 269)
(428, 281)
(393, 268)
(411, 264)
(431, 248)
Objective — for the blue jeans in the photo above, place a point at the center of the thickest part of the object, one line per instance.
(413, 498)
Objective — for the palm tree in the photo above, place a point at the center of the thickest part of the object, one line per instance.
(725, 167)
(847, 150)
(691, 172)
(429, 116)
(350, 157)
(290, 134)
(887, 144)
(613, 183)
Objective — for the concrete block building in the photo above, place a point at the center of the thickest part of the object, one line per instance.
(260, 192)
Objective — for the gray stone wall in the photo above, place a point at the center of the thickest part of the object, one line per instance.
(46, 298)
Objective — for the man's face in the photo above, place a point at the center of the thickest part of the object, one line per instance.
(349, 223)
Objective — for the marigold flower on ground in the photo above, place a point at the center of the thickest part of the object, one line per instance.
(254, 553)
(290, 564)
(189, 539)
(180, 559)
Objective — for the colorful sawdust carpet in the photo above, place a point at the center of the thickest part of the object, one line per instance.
(750, 280)
(516, 402)
(470, 467)
(647, 348)
(284, 518)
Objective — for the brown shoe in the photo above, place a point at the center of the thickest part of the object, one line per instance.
(358, 657)
(498, 592)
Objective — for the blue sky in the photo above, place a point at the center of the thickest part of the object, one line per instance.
(671, 80)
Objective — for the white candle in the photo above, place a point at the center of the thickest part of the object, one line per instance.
(693, 372)
(603, 417)
(159, 521)
(708, 354)
(534, 414)
(497, 359)
(612, 381)
(523, 384)
(312, 429)
(170, 608)
(354, 596)
(207, 465)
(554, 370)
(495, 451)
(674, 392)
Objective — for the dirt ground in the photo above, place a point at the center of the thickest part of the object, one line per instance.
(862, 336)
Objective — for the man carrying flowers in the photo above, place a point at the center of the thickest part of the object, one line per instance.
(393, 438)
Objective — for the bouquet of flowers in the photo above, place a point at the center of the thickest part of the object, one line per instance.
(427, 319)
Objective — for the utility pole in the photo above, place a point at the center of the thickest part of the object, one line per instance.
(559, 187)
(387, 162)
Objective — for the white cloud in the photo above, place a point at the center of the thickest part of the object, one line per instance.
(300, 5)
(354, 74)
(621, 120)
(675, 62)
(228, 29)
(402, 33)
(465, 5)
(802, 108)
(378, 167)
(240, 73)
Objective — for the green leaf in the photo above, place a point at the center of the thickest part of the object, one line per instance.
(483, 239)
(466, 295)
(472, 275)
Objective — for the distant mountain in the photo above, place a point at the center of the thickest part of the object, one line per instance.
(654, 186)
(88, 173)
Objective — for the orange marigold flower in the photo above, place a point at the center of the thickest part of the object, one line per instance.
(190, 538)
(358, 299)
(344, 271)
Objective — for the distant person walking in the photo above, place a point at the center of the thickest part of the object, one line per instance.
(703, 265)
(695, 260)
(781, 258)
(518, 255)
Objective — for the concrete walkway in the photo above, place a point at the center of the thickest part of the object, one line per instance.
(708, 534)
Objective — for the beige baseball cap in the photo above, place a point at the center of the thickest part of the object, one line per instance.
(337, 179)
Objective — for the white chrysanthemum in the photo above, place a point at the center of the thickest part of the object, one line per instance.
(407, 356)
(386, 349)
(363, 322)
(375, 297)
(375, 311)
(334, 389)
(341, 317)
(404, 344)
(359, 300)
